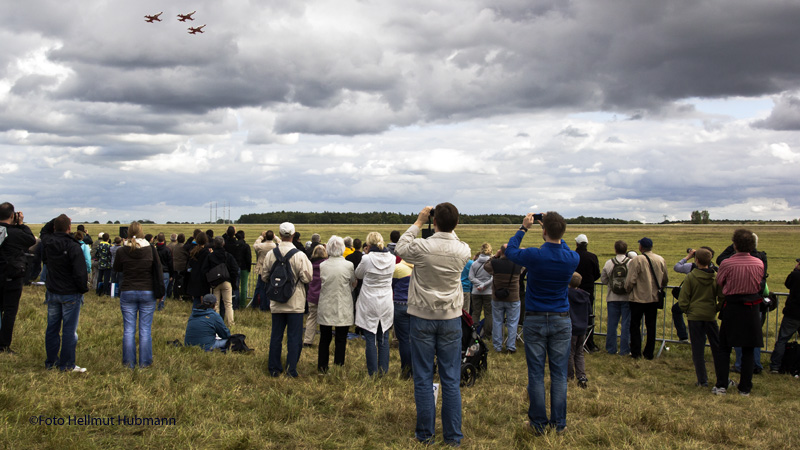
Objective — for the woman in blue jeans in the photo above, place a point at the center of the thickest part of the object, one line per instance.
(135, 260)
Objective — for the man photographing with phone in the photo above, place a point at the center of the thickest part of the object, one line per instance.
(18, 238)
(547, 328)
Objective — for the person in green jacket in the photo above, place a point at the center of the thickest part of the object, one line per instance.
(205, 325)
(699, 299)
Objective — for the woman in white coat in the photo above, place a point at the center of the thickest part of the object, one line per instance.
(335, 308)
(375, 309)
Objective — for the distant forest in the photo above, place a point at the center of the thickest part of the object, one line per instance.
(398, 218)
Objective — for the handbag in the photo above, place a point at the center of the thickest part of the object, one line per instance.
(218, 275)
(662, 295)
(158, 277)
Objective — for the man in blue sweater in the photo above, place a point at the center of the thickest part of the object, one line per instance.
(547, 328)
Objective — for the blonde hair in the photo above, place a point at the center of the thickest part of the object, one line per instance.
(375, 238)
(486, 248)
(135, 231)
(319, 252)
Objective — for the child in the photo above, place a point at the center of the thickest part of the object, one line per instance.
(579, 313)
(698, 300)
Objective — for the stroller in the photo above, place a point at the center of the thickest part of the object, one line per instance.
(473, 352)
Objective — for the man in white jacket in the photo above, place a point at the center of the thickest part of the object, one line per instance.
(435, 298)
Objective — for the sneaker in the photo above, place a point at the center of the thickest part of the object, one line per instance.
(583, 382)
(699, 384)
(78, 369)
(731, 383)
(757, 371)
(744, 394)
(718, 391)
(774, 371)
(684, 341)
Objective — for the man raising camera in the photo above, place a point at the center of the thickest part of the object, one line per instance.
(547, 328)
(17, 239)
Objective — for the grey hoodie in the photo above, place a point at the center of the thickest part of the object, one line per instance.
(479, 277)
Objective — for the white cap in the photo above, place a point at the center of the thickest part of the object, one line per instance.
(286, 229)
(581, 239)
(632, 254)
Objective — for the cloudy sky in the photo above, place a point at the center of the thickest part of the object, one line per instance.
(612, 108)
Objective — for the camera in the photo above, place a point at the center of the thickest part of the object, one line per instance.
(538, 216)
(432, 211)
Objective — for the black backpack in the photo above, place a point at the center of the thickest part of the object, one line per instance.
(791, 359)
(281, 277)
(618, 275)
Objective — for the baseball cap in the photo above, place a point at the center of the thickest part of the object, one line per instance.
(209, 300)
(286, 229)
(646, 242)
(581, 239)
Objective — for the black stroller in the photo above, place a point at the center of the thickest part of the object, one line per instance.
(473, 351)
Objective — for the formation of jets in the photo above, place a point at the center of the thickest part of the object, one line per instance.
(181, 18)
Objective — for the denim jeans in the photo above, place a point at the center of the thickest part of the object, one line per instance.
(756, 358)
(788, 327)
(402, 329)
(510, 312)
(377, 356)
(677, 319)
(62, 311)
(442, 339)
(166, 291)
(133, 303)
(617, 311)
(218, 344)
(292, 323)
(547, 337)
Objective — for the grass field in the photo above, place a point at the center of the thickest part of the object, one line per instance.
(230, 402)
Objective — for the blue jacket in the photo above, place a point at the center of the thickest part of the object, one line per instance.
(550, 268)
(203, 327)
(466, 285)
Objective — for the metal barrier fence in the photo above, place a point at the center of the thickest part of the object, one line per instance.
(666, 332)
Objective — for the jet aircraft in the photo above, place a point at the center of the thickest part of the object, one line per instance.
(195, 30)
(154, 18)
(185, 17)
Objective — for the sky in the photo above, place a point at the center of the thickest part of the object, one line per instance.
(609, 108)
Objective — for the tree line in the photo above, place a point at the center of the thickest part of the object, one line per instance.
(384, 217)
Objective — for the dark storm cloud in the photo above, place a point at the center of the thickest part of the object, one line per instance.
(785, 115)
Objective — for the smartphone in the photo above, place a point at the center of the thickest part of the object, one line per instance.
(537, 216)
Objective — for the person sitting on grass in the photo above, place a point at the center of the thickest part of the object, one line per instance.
(698, 299)
(579, 301)
(205, 325)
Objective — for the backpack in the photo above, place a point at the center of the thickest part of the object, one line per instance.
(791, 359)
(236, 343)
(281, 282)
(618, 275)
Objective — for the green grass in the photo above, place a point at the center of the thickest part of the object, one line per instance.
(230, 402)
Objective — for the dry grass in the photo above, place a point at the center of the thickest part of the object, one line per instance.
(229, 401)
